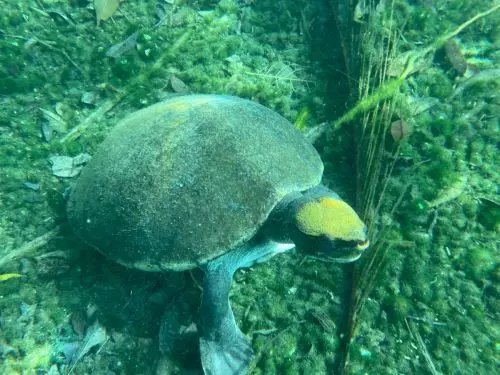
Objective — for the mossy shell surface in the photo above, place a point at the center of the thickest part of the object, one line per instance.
(183, 181)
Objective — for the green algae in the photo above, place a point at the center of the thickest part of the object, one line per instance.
(449, 276)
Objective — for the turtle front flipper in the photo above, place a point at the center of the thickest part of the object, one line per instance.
(223, 347)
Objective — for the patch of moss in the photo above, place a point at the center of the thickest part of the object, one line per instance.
(443, 126)
(441, 167)
(480, 262)
(433, 82)
(397, 307)
(489, 214)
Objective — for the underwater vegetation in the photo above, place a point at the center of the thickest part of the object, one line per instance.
(67, 74)
(428, 243)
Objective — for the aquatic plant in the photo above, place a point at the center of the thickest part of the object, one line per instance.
(379, 95)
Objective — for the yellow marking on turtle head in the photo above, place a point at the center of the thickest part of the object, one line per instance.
(333, 218)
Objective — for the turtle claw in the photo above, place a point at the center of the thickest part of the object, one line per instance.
(226, 357)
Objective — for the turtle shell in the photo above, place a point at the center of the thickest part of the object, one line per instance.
(183, 181)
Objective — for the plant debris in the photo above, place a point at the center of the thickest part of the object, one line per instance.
(89, 97)
(119, 49)
(8, 276)
(492, 75)
(35, 186)
(455, 57)
(324, 321)
(95, 335)
(104, 9)
(52, 121)
(178, 86)
(399, 130)
(451, 193)
(52, 264)
(67, 166)
(28, 248)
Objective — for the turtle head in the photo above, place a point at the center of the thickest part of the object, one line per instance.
(329, 227)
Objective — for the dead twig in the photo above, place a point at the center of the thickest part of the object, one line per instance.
(50, 45)
(428, 360)
(94, 117)
(432, 322)
(195, 281)
(30, 247)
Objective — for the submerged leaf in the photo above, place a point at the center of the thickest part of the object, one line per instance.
(399, 130)
(95, 335)
(67, 166)
(8, 276)
(178, 86)
(105, 9)
(57, 122)
(119, 49)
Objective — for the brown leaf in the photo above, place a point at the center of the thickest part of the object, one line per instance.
(455, 56)
(399, 130)
(105, 9)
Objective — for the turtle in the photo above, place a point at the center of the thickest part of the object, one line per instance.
(214, 182)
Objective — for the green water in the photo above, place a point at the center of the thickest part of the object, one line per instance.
(434, 303)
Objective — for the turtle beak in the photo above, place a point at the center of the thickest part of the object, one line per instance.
(354, 252)
(362, 245)
(344, 253)
(351, 256)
